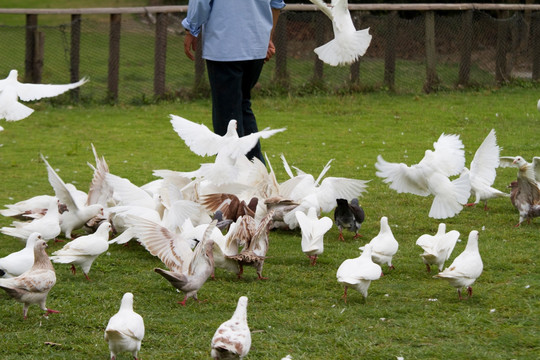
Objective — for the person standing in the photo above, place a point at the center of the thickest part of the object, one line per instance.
(237, 41)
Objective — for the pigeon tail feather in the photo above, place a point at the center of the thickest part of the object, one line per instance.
(345, 48)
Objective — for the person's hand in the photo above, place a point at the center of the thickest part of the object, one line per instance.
(271, 51)
(190, 43)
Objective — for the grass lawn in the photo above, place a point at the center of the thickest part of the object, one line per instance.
(299, 310)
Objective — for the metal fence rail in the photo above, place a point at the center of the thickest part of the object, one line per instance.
(136, 54)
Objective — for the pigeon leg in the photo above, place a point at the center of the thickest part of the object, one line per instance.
(459, 294)
(260, 277)
(344, 297)
(58, 240)
(485, 206)
(428, 268)
(392, 267)
(50, 311)
(356, 236)
(470, 204)
(73, 269)
(313, 260)
(86, 276)
(469, 291)
(241, 271)
(183, 302)
(340, 237)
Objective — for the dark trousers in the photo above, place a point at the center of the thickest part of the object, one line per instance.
(231, 83)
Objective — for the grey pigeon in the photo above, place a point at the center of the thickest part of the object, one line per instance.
(33, 286)
(348, 216)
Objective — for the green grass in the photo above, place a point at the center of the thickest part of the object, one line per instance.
(299, 310)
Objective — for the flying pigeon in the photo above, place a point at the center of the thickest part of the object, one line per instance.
(203, 142)
(437, 248)
(431, 176)
(358, 273)
(11, 90)
(20, 261)
(348, 44)
(348, 216)
(125, 329)
(48, 225)
(232, 339)
(33, 286)
(527, 195)
(313, 230)
(482, 173)
(77, 214)
(466, 267)
(84, 250)
(383, 246)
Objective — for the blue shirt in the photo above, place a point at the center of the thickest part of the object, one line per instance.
(233, 30)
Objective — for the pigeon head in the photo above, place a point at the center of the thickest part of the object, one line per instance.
(519, 161)
(13, 74)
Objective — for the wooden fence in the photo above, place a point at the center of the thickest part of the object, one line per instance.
(34, 41)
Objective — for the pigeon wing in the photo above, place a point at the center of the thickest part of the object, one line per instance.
(485, 161)
(402, 178)
(60, 189)
(449, 154)
(29, 92)
(197, 137)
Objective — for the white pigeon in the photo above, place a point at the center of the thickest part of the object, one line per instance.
(203, 142)
(29, 207)
(48, 225)
(84, 250)
(33, 286)
(482, 173)
(11, 90)
(431, 176)
(77, 214)
(538, 105)
(383, 246)
(526, 193)
(125, 329)
(348, 43)
(20, 261)
(466, 267)
(232, 339)
(437, 248)
(313, 230)
(321, 193)
(358, 273)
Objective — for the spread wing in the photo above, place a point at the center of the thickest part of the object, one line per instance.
(201, 140)
(28, 92)
(403, 178)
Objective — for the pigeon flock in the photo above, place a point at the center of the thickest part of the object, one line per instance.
(220, 216)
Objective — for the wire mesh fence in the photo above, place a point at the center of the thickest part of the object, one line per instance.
(499, 46)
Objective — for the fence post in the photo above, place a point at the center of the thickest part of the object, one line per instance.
(431, 62)
(74, 54)
(199, 63)
(466, 47)
(535, 39)
(321, 19)
(390, 51)
(34, 44)
(502, 48)
(114, 56)
(280, 42)
(160, 54)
